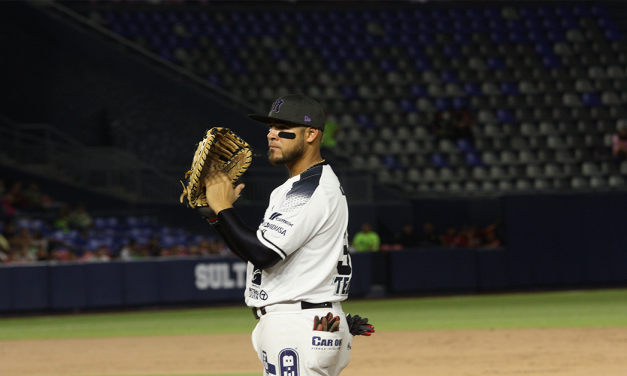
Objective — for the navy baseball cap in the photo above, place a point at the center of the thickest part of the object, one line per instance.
(296, 110)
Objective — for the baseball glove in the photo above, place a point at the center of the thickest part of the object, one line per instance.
(220, 150)
(359, 326)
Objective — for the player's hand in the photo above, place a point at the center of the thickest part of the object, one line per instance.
(327, 323)
(220, 192)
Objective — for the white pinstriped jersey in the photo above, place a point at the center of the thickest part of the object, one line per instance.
(305, 223)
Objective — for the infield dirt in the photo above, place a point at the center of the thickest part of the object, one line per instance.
(538, 352)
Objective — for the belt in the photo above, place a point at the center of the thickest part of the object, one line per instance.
(258, 312)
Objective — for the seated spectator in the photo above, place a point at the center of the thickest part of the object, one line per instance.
(442, 125)
(19, 199)
(129, 251)
(460, 240)
(619, 143)
(491, 241)
(463, 123)
(62, 221)
(366, 239)
(79, 218)
(7, 208)
(33, 196)
(407, 237)
(5, 249)
(448, 238)
(429, 237)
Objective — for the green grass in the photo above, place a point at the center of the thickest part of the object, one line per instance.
(602, 308)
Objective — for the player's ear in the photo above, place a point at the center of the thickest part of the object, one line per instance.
(311, 134)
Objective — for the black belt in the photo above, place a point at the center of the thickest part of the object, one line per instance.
(303, 305)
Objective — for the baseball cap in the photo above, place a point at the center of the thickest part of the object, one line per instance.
(295, 110)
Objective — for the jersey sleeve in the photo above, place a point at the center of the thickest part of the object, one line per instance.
(300, 216)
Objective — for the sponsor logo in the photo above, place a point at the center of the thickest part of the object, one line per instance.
(256, 280)
(269, 368)
(288, 361)
(321, 342)
(307, 118)
(276, 228)
(254, 293)
(275, 217)
(220, 275)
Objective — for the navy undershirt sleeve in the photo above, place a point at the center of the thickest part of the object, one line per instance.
(242, 240)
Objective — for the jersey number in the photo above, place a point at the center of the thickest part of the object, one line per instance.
(342, 281)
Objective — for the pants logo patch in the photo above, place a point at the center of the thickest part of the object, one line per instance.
(288, 361)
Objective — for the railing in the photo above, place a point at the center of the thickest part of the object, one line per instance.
(46, 151)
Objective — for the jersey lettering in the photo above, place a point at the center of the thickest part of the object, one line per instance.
(342, 281)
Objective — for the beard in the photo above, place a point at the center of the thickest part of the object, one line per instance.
(288, 156)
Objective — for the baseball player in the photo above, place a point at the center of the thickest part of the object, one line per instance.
(299, 267)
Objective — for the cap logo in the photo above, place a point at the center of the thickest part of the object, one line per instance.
(307, 118)
(276, 107)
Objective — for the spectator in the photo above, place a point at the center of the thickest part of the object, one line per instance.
(79, 218)
(7, 208)
(463, 124)
(429, 237)
(366, 239)
(449, 237)
(129, 251)
(62, 222)
(460, 240)
(33, 196)
(407, 237)
(19, 200)
(5, 249)
(329, 136)
(491, 241)
(619, 143)
(102, 254)
(442, 125)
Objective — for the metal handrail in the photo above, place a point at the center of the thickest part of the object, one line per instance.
(147, 53)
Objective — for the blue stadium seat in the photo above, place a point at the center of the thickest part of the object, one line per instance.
(448, 76)
(505, 116)
(496, 62)
(582, 11)
(599, 10)
(214, 79)
(479, 26)
(418, 91)
(442, 103)
(391, 163)
(569, 23)
(365, 122)
(461, 102)
(422, 64)
(462, 38)
(464, 145)
(509, 88)
(473, 159)
(472, 89)
(407, 105)
(551, 61)
(336, 66)
(591, 99)
(438, 160)
(388, 65)
(613, 35)
(451, 50)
